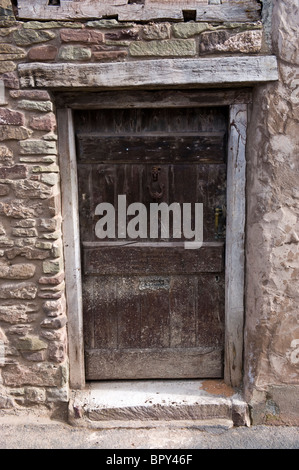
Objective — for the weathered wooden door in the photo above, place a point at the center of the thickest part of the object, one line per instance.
(152, 309)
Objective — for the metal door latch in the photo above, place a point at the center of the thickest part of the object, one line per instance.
(156, 189)
(220, 219)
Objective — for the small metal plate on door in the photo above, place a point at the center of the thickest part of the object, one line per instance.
(154, 283)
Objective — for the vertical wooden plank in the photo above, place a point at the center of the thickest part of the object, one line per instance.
(128, 306)
(85, 195)
(69, 190)
(182, 307)
(105, 308)
(88, 317)
(235, 256)
(210, 324)
(103, 189)
(155, 329)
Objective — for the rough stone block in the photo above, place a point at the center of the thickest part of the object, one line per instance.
(14, 133)
(42, 53)
(11, 52)
(49, 224)
(27, 37)
(58, 395)
(25, 223)
(51, 25)
(45, 168)
(41, 106)
(6, 402)
(38, 159)
(167, 48)
(6, 242)
(187, 30)
(74, 53)
(18, 313)
(108, 23)
(10, 117)
(54, 323)
(43, 123)
(32, 189)
(7, 66)
(52, 266)
(31, 343)
(18, 291)
(50, 136)
(53, 288)
(38, 147)
(52, 235)
(11, 80)
(49, 295)
(43, 245)
(42, 95)
(111, 55)
(4, 190)
(24, 241)
(156, 31)
(52, 280)
(35, 356)
(24, 232)
(16, 210)
(47, 375)
(28, 252)
(13, 172)
(57, 351)
(223, 41)
(5, 154)
(17, 271)
(35, 395)
(50, 178)
(53, 335)
(54, 308)
(82, 36)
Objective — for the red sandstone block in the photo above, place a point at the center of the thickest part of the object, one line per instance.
(11, 80)
(13, 172)
(43, 123)
(43, 53)
(31, 94)
(111, 55)
(71, 35)
(11, 118)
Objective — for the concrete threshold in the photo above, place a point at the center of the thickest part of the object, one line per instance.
(152, 403)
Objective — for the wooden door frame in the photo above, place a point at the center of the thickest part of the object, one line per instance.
(237, 100)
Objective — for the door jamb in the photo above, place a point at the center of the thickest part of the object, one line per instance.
(235, 243)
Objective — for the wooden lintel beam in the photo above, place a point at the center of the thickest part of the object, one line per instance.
(206, 72)
(234, 10)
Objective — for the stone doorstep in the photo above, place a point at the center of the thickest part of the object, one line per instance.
(150, 403)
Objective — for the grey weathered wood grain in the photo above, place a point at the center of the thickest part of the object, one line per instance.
(235, 250)
(138, 260)
(152, 98)
(153, 73)
(70, 226)
(239, 10)
(149, 363)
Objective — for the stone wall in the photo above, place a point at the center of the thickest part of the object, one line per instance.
(272, 327)
(33, 314)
